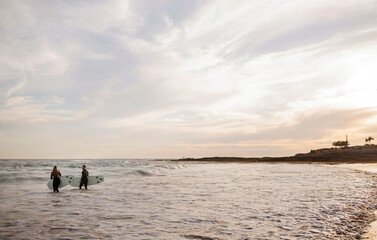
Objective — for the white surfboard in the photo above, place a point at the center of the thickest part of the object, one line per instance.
(92, 180)
(64, 181)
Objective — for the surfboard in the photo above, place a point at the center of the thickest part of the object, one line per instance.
(64, 181)
(92, 180)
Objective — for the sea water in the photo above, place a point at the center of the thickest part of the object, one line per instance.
(145, 199)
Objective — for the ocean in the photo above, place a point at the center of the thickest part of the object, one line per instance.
(147, 199)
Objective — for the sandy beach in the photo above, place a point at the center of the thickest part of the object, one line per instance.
(372, 167)
(372, 230)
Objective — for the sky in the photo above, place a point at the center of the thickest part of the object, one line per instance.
(185, 78)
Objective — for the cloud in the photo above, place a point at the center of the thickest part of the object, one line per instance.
(28, 110)
(217, 74)
(319, 124)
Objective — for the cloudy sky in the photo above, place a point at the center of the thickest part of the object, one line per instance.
(171, 78)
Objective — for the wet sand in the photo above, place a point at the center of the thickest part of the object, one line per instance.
(372, 230)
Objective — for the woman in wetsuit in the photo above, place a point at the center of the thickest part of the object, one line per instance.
(55, 174)
(84, 177)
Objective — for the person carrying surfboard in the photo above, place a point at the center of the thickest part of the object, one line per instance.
(84, 177)
(55, 174)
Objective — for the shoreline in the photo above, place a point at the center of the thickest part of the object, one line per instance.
(371, 231)
(361, 158)
(350, 155)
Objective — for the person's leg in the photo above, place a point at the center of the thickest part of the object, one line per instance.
(86, 184)
(81, 183)
(55, 184)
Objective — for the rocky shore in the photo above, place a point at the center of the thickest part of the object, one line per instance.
(354, 154)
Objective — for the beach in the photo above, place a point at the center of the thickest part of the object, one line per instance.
(356, 154)
(372, 230)
(146, 199)
(196, 120)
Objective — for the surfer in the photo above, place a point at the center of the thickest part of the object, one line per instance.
(55, 174)
(84, 177)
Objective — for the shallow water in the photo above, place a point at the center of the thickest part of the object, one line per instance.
(143, 199)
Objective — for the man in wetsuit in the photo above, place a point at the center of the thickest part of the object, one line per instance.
(84, 177)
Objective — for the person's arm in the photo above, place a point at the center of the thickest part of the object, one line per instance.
(87, 173)
(51, 176)
(60, 174)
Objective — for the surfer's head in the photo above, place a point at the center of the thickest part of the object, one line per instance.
(83, 167)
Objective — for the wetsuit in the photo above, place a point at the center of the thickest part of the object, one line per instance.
(84, 178)
(56, 182)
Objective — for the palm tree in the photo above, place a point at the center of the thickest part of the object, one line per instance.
(369, 139)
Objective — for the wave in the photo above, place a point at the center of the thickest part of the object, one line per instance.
(5, 179)
(146, 173)
(150, 172)
(142, 173)
(172, 166)
(156, 170)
